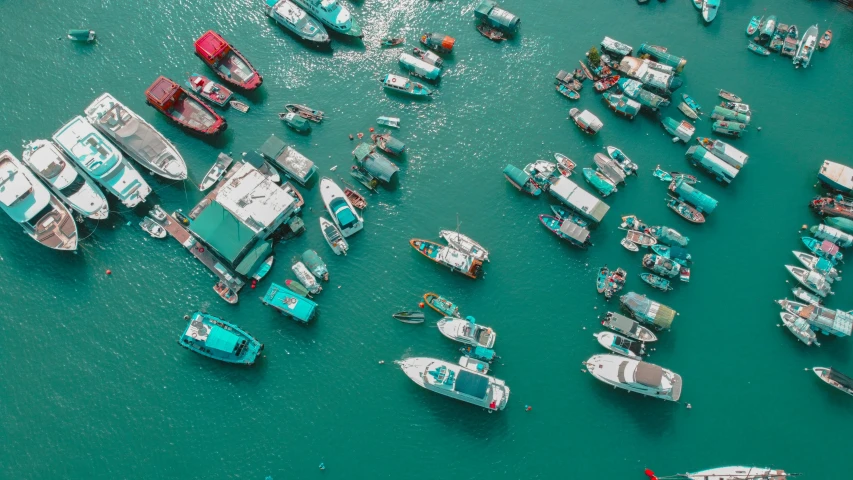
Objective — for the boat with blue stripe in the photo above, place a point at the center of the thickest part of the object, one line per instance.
(217, 339)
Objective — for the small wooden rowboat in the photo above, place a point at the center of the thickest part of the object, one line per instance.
(225, 293)
(586, 71)
(629, 245)
(409, 317)
(239, 106)
(355, 198)
(391, 41)
(730, 96)
(825, 40)
(685, 211)
(491, 33)
(640, 238)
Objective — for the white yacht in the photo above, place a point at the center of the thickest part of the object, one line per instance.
(102, 161)
(28, 202)
(66, 180)
(739, 473)
(806, 47)
(635, 376)
(800, 328)
(290, 16)
(457, 382)
(136, 137)
(467, 331)
(333, 15)
(812, 280)
(344, 215)
(464, 244)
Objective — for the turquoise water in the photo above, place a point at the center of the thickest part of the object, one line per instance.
(94, 385)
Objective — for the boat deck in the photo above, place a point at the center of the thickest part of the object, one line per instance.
(188, 111)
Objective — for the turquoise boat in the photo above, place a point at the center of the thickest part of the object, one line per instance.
(662, 174)
(722, 113)
(263, 269)
(754, 24)
(841, 223)
(669, 236)
(490, 13)
(635, 91)
(732, 129)
(676, 254)
(441, 305)
(522, 181)
(656, 281)
(621, 104)
(297, 287)
(824, 249)
(569, 231)
(691, 103)
(688, 193)
(315, 264)
(563, 214)
(568, 92)
(661, 55)
(479, 353)
(419, 68)
(601, 280)
(767, 29)
(217, 339)
(290, 303)
(757, 49)
(396, 83)
(598, 181)
(296, 122)
(388, 144)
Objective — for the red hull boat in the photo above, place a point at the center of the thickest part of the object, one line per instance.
(183, 107)
(227, 62)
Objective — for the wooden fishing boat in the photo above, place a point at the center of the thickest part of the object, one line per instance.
(687, 111)
(685, 177)
(685, 211)
(231, 66)
(297, 288)
(629, 245)
(628, 327)
(492, 34)
(355, 198)
(656, 281)
(640, 238)
(567, 230)
(220, 166)
(306, 112)
(409, 317)
(209, 90)
(757, 49)
(564, 214)
(610, 283)
(306, 278)
(399, 84)
(183, 107)
(833, 377)
(586, 71)
(441, 305)
(449, 257)
(586, 121)
(239, 106)
(568, 92)
(825, 40)
(364, 177)
(606, 83)
(754, 24)
(225, 293)
(662, 174)
(729, 96)
(564, 164)
(391, 41)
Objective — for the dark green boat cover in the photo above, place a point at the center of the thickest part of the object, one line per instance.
(375, 163)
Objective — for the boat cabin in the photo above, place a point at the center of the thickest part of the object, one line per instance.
(836, 176)
(228, 63)
(579, 200)
(419, 68)
(491, 14)
(376, 164)
(292, 163)
(290, 303)
(575, 232)
(700, 157)
(163, 93)
(687, 193)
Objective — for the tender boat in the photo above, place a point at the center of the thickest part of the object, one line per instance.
(709, 10)
(640, 238)
(441, 305)
(400, 84)
(315, 264)
(629, 245)
(599, 181)
(291, 301)
(729, 96)
(388, 144)
(585, 70)
(568, 92)
(635, 376)
(81, 35)
(183, 107)
(820, 265)
(628, 327)
(799, 328)
(814, 281)
(586, 121)
(225, 293)
(392, 122)
(685, 211)
(428, 57)
(464, 244)
(409, 317)
(209, 90)
(621, 345)
(754, 23)
(102, 161)
(438, 42)
(65, 179)
(263, 269)
(152, 228)
(228, 63)
(619, 156)
(611, 168)
(449, 257)
(290, 16)
(295, 122)
(306, 278)
(656, 281)
(343, 213)
(835, 378)
(492, 34)
(662, 174)
(219, 167)
(825, 40)
(824, 249)
(690, 102)
(457, 382)
(29, 203)
(333, 15)
(567, 230)
(662, 265)
(687, 111)
(738, 473)
(467, 331)
(355, 198)
(142, 142)
(308, 113)
(834, 235)
(522, 181)
(564, 164)
(806, 47)
(217, 339)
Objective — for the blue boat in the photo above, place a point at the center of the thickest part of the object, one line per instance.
(569, 231)
(598, 181)
(522, 181)
(824, 249)
(687, 193)
(479, 353)
(290, 303)
(217, 339)
(691, 103)
(563, 214)
(263, 269)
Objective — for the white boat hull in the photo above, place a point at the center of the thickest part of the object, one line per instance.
(330, 191)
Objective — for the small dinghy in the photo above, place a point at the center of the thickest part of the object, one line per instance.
(209, 90)
(603, 185)
(754, 24)
(263, 270)
(621, 345)
(628, 327)
(640, 238)
(492, 34)
(306, 278)
(333, 237)
(157, 213)
(355, 198)
(153, 228)
(814, 281)
(656, 281)
(685, 211)
(392, 122)
(806, 296)
(81, 35)
(629, 245)
(441, 305)
(409, 317)
(307, 113)
(297, 288)
(687, 111)
(757, 49)
(225, 293)
(729, 96)
(687, 178)
(825, 40)
(568, 92)
(216, 171)
(315, 264)
(391, 41)
(239, 106)
(601, 280)
(564, 164)
(563, 214)
(618, 156)
(799, 328)
(662, 174)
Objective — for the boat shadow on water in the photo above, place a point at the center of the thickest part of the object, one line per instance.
(255, 97)
(653, 416)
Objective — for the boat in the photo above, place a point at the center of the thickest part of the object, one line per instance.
(662, 55)
(391, 41)
(635, 91)
(457, 382)
(700, 157)
(489, 13)
(799, 328)
(141, 141)
(183, 107)
(685, 211)
(675, 253)
(841, 223)
(438, 42)
(737, 107)
(419, 68)
(225, 293)
(682, 188)
(355, 198)
(738, 473)
(102, 161)
(152, 228)
(563, 214)
(720, 113)
(364, 177)
(835, 378)
(428, 57)
(209, 90)
(297, 288)
(621, 104)
(449, 257)
(789, 47)
(441, 305)
(290, 16)
(307, 113)
(343, 213)
(464, 244)
(621, 345)
(825, 40)
(819, 265)
(813, 281)
(640, 239)
(616, 47)
(662, 174)
(606, 83)
(806, 47)
(295, 122)
(656, 281)
(315, 264)
(306, 278)
(219, 167)
(836, 177)
(81, 35)
(824, 320)
(239, 106)
(392, 122)
(38, 211)
(724, 151)
(682, 130)
(333, 15)
(609, 282)
(766, 30)
(568, 92)
(409, 317)
(467, 331)
(388, 144)
(654, 76)
(585, 70)
(732, 129)
(777, 41)
(669, 236)
(599, 181)
(333, 237)
(628, 327)
(564, 164)
(65, 179)
(522, 181)
(601, 279)
(289, 302)
(824, 249)
(806, 296)
(635, 376)
(687, 111)
(629, 245)
(400, 84)
(698, 4)
(228, 63)
(294, 165)
(834, 235)
(492, 34)
(754, 23)
(662, 265)
(619, 157)
(586, 121)
(571, 80)
(729, 96)
(478, 353)
(263, 269)
(582, 202)
(838, 208)
(217, 339)
(378, 165)
(648, 311)
(567, 230)
(709, 10)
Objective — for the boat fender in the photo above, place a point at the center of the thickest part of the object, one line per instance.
(200, 249)
(421, 305)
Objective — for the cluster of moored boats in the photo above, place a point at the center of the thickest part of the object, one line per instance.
(785, 40)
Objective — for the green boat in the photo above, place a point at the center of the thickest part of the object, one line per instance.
(315, 264)
(296, 122)
(841, 223)
(646, 310)
(754, 24)
(691, 103)
(567, 230)
(662, 174)
(297, 287)
(441, 305)
(732, 129)
(598, 181)
(290, 303)
(217, 339)
(722, 113)
(656, 281)
(522, 181)
(757, 49)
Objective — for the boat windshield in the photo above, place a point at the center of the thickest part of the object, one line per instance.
(329, 5)
(343, 213)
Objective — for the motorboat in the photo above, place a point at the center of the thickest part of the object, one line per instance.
(467, 331)
(635, 376)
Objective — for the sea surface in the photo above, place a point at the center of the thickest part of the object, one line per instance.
(94, 385)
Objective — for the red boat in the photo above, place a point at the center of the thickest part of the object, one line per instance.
(209, 90)
(227, 62)
(833, 207)
(606, 83)
(183, 107)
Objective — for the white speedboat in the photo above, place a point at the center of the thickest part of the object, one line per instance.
(333, 15)
(102, 161)
(27, 201)
(812, 280)
(635, 376)
(66, 180)
(628, 327)
(457, 382)
(621, 345)
(290, 16)
(709, 10)
(806, 47)
(800, 328)
(820, 265)
(152, 228)
(345, 216)
(738, 473)
(306, 278)
(333, 237)
(138, 138)
(467, 331)
(464, 244)
(835, 378)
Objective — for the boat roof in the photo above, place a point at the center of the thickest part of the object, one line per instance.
(839, 377)
(211, 45)
(472, 384)
(162, 90)
(659, 314)
(622, 322)
(290, 302)
(223, 231)
(579, 199)
(20, 193)
(222, 340)
(294, 163)
(648, 374)
(516, 174)
(574, 231)
(362, 151)
(837, 174)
